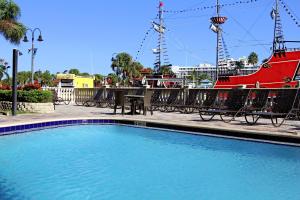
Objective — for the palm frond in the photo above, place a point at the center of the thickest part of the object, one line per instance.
(9, 10)
(12, 31)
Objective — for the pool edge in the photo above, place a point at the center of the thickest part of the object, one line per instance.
(264, 137)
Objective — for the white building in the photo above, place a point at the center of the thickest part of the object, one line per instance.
(210, 70)
(186, 71)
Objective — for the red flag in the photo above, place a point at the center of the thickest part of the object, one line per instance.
(161, 4)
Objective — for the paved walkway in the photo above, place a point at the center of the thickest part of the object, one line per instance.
(290, 128)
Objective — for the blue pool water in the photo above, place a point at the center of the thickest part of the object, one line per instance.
(118, 162)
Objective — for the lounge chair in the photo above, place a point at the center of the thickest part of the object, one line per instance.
(94, 101)
(235, 104)
(107, 100)
(156, 99)
(174, 98)
(211, 101)
(284, 105)
(258, 100)
(228, 104)
(190, 103)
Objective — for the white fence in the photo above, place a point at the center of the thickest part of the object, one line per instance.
(64, 93)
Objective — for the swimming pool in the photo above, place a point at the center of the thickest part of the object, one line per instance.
(120, 162)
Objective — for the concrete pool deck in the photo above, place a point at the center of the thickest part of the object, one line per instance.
(290, 129)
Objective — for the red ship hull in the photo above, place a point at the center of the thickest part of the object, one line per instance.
(279, 71)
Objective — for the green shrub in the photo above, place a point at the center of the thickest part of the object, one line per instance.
(32, 96)
(5, 95)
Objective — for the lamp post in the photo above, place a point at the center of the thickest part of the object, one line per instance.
(33, 50)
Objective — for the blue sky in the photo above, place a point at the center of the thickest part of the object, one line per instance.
(85, 34)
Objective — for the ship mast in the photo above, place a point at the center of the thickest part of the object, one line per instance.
(278, 41)
(161, 21)
(217, 21)
(161, 50)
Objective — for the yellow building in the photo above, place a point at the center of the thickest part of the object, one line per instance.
(73, 81)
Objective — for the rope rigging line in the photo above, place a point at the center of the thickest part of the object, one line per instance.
(209, 7)
(244, 28)
(143, 42)
(226, 52)
(290, 13)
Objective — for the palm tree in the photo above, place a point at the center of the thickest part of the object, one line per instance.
(121, 64)
(253, 58)
(134, 70)
(166, 70)
(3, 72)
(10, 28)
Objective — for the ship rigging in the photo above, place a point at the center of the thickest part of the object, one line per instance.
(280, 70)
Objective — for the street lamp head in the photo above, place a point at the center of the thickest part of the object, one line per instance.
(40, 39)
(25, 39)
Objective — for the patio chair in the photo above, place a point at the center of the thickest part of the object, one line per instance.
(140, 91)
(145, 105)
(95, 99)
(119, 101)
(284, 105)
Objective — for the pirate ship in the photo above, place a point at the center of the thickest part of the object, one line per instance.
(280, 70)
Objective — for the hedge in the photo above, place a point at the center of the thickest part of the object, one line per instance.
(32, 96)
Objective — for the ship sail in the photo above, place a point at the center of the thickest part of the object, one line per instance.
(158, 28)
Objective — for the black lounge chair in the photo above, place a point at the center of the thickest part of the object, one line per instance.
(211, 101)
(228, 104)
(107, 100)
(174, 98)
(258, 100)
(156, 99)
(190, 104)
(285, 104)
(94, 101)
(234, 105)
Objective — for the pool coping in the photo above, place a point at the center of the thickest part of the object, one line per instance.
(259, 136)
